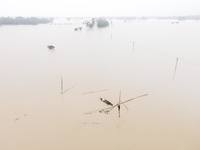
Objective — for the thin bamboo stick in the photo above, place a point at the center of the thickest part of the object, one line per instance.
(95, 91)
(61, 85)
(175, 68)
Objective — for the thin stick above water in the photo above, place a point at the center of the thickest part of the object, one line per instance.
(69, 88)
(95, 91)
(175, 68)
(120, 101)
(61, 85)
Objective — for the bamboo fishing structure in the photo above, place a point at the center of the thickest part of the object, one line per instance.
(120, 101)
(107, 110)
(119, 104)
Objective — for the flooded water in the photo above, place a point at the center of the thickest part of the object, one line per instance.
(136, 58)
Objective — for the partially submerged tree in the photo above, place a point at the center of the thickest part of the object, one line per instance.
(90, 24)
(102, 22)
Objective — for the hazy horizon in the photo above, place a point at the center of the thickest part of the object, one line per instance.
(89, 8)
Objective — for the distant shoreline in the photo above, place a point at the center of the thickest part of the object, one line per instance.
(24, 21)
(188, 17)
(37, 20)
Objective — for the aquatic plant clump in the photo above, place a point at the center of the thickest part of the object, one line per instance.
(51, 47)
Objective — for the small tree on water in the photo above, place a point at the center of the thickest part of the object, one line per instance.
(102, 22)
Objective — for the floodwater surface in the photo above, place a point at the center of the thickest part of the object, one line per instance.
(134, 57)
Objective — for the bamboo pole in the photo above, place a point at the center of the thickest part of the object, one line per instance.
(69, 88)
(61, 85)
(175, 68)
(94, 91)
(120, 101)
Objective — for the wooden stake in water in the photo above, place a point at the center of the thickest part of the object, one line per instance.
(175, 68)
(61, 85)
(119, 103)
(62, 92)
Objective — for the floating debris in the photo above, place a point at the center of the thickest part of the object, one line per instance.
(16, 119)
(79, 28)
(51, 47)
(94, 123)
(106, 101)
(175, 22)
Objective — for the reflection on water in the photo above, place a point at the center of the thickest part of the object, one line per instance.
(34, 114)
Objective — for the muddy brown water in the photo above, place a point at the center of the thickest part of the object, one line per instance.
(34, 115)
